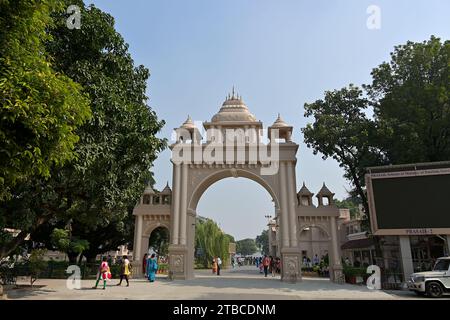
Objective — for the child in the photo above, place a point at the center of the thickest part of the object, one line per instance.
(103, 273)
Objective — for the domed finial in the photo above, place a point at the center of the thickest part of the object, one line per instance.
(233, 93)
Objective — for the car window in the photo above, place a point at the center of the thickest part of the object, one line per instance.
(442, 265)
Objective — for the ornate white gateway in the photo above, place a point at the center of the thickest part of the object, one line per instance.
(233, 146)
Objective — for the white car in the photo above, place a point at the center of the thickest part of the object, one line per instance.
(433, 283)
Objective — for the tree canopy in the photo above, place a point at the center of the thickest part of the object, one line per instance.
(246, 247)
(41, 108)
(409, 97)
(98, 188)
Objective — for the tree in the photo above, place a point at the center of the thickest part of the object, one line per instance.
(262, 241)
(210, 242)
(411, 123)
(342, 131)
(117, 146)
(411, 100)
(62, 241)
(41, 109)
(246, 247)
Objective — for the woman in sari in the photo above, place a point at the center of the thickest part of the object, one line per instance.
(152, 267)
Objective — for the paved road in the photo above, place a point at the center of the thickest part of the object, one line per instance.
(241, 283)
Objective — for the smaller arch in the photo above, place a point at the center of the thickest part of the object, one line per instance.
(148, 231)
(312, 225)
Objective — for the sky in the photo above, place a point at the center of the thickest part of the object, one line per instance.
(279, 55)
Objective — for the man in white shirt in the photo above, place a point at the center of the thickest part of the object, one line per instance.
(219, 265)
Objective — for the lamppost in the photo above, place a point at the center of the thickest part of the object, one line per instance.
(268, 217)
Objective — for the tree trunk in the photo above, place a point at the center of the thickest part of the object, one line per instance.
(72, 257)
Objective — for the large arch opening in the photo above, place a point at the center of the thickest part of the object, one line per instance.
(241, 208)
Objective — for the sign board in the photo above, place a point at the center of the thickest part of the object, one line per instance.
(409, 202)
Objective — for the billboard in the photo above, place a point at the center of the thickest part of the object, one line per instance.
(409, 200)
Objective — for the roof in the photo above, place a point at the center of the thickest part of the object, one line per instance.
(410, 166)
(233, 110)
(279, 123)
(304, 191)
(325, 191)
(358, 244)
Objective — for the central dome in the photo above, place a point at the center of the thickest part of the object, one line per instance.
(233, 110)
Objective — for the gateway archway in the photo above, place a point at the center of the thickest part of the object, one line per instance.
(233, 148)
(232, 144)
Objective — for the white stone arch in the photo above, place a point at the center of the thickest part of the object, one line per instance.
(151, 227)
(216, 176)
(270, 165)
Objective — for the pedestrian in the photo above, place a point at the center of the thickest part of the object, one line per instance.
(278, 265)
(214, 266)
(144, 264)
(104, 273)
(152, 267)
(125, 270)
(316, 260)
(219, 265)
(273, 266)
(266, 263)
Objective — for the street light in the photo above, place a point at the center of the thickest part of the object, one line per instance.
(268, 218)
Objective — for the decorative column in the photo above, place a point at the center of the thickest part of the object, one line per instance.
(292, 204)
(183, 204)
(284, 210)
(176, 205)
(336, 257)
(138, 244)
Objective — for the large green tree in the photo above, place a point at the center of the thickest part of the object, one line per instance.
(410, 99)
(210, 242)
(262, 241)
(246, 247)
(97, 190)
(40, 108)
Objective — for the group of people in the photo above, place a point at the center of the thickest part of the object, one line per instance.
(149, 268)
(316, 261)
(269, 264)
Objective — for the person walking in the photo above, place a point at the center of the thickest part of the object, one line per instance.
(144, 264)
(104, 273)
(219, 265)
(152, 267)
(214, 266)
(266, 263)
(125, 271)
(273, 266)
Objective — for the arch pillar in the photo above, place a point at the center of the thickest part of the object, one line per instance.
(335, 256)
(290, 252)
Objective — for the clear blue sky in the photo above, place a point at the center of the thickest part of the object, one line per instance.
(278, 54)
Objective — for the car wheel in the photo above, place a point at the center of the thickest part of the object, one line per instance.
(434, 289)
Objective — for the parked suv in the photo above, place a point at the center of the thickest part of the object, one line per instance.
(432, 283)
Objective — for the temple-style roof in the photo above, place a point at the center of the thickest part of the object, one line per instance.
(166, 189)
(233, 110)
(304, 191)
(149, 190)
(325, 191)
(280, 123)
(188, 124)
